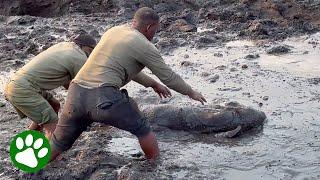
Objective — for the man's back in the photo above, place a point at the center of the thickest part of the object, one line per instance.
(114, 61)
(118, 58)
(52, 68)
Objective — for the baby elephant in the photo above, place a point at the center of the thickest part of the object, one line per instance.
(228, 121)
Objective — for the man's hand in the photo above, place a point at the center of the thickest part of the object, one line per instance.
(197, 96)
(162, 90)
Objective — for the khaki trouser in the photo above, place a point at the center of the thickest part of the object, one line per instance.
(30, 102)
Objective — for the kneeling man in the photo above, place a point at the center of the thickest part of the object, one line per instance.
(54, 67)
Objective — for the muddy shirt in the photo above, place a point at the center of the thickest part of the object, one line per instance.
(120, 56)
(52, 68)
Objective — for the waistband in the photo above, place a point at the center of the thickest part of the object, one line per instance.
(90, 87)
(101, 87)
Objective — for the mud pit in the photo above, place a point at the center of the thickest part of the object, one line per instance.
(218, 62)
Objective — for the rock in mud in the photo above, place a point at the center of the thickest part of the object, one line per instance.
(204, 40)
(278, 50)
(2, 104)
(305, 52)
(314, 81)
(186, 63)
(218, 54)
(252, 56)
(214, 78)
(183, 26)
(232, 89)
(244, 66)
(261, 28)
(308, 27)
(165, 44)
(20, 20)
(222, 67)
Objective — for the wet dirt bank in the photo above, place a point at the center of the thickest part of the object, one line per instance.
(279, 77)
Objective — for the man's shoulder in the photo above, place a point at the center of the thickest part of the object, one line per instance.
(63, 46)
(130, 37)
(128, 31)
(66, 53)
(59, 48)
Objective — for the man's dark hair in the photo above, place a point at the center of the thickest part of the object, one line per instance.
(84, 39)
(145, 16)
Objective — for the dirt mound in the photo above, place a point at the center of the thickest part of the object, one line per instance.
(44, 8)
(258, 19)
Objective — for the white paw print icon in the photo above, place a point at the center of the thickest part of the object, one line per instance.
(28, 157)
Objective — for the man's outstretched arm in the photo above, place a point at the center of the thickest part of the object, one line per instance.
(151, 58)
(147, 81)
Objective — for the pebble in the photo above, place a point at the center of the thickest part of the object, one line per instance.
(252, 56)
(218, 55)
(186, 63)
(222, 67)
(214, 78)
(283, 49)
(232, 89)
(244, 66)
(2, 104)
(314, 81)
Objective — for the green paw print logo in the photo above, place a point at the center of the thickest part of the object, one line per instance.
(30, 151)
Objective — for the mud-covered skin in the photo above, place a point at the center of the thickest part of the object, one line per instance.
(205, 120)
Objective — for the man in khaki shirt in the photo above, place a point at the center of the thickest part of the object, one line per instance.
(94, 94)
(54, 67)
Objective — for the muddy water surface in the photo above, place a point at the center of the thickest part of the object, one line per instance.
(287, 147)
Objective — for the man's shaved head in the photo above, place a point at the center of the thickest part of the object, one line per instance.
(146, 16)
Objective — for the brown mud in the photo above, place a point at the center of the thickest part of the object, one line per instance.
(223, 49)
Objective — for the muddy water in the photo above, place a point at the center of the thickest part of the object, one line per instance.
(286, 148)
